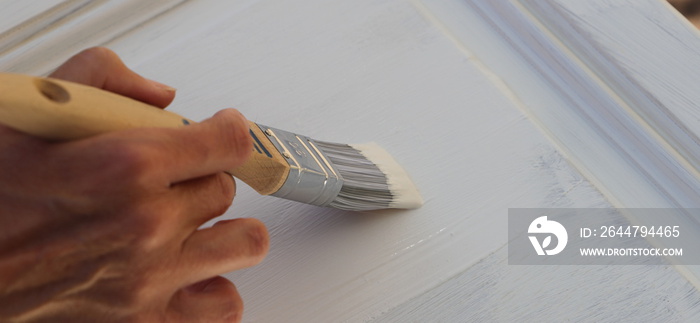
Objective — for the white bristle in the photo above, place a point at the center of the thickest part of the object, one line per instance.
(372, 179)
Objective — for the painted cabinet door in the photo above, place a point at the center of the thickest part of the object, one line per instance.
(489, 105)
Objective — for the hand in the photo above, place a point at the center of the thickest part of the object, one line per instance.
(106, 228)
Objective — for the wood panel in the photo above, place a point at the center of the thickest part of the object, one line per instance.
(485, 106)
(54, 31)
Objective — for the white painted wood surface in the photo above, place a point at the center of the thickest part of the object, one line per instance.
(488, 104)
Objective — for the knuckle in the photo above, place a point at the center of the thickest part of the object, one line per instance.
(147, 229)
(95, 55)
(235, 131)
(134, 293)
(143, 225)
(227, 191)
(128, 162)
(258, 240)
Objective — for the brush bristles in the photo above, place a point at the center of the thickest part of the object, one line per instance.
(371, 178)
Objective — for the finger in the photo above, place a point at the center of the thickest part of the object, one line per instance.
(212, 300)
(204, 198)
(218, 144)
(227, 246)
(159, 157)
(102, 68)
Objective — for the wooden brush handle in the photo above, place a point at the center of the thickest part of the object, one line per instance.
(59, 110)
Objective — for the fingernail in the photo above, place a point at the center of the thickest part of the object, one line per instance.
(163, 86)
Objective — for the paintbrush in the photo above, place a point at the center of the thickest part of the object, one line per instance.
(283, 164)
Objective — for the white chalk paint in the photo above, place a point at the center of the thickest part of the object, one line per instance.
(482, 103)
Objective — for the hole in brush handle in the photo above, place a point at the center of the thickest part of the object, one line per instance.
(52, 91)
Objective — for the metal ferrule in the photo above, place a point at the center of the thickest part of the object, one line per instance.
(312, 178)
